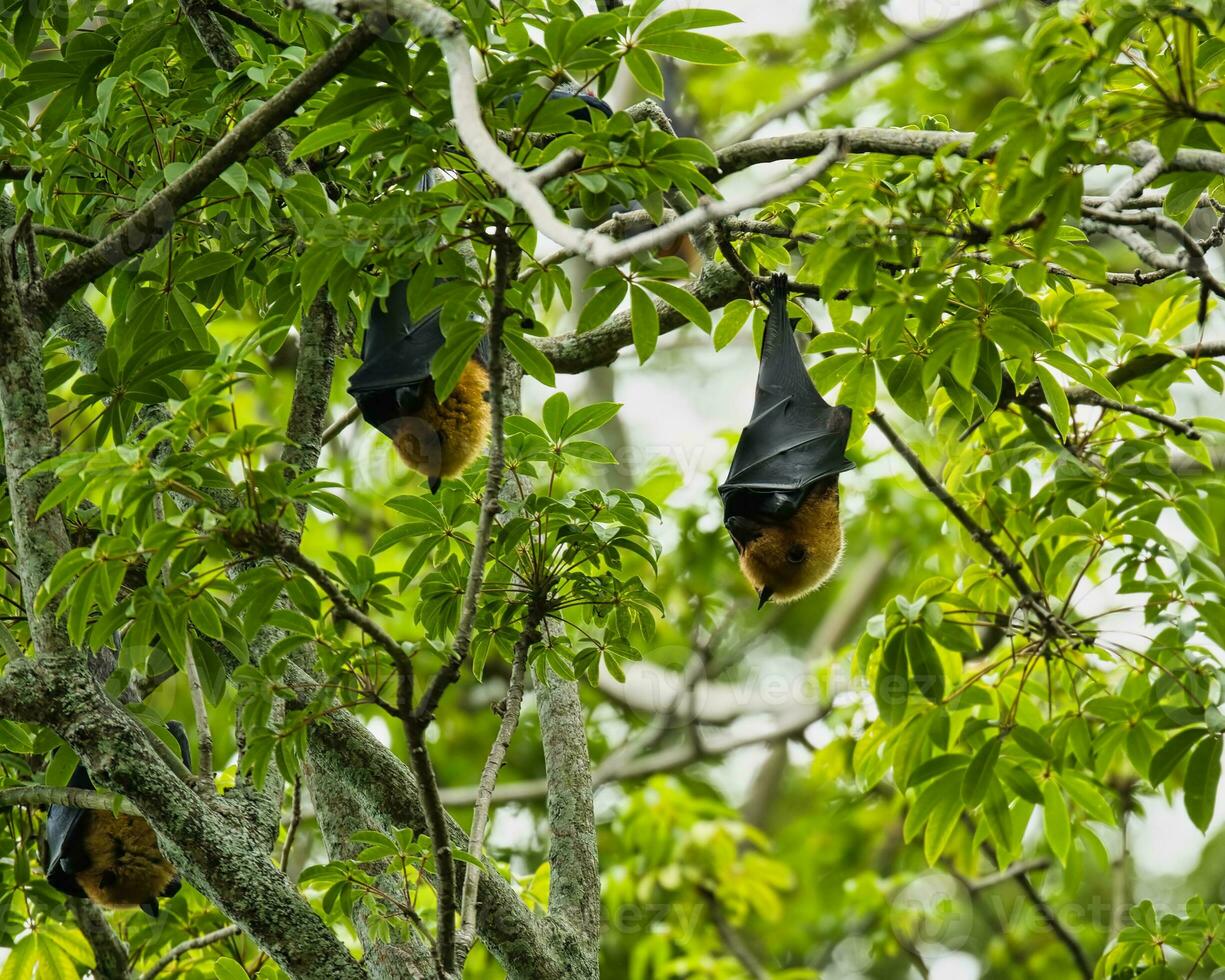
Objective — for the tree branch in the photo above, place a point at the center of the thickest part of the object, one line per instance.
(505, 256)
(788, 725)
(110, 952)
(845, 75)
(489, 778)
(153, 220)
(732, 940)
(1079, 957)
(199, 942)
(981, 535)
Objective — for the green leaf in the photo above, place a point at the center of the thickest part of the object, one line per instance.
(1170, 754)
(1056, 399)
(554, 414)
(892, 688)
(1203, 775)
(683, 301)
(645, 323)
(589, 417)
(22, 961)
(1056, 821)
(978, 777)
(688, 20)
(601, 306)
(324, 136)
(530, 358)
(698, 49)
(646, 73)
(925, 666)
(1032, 742)
(735, 314)
(228, 969)
(54, 963)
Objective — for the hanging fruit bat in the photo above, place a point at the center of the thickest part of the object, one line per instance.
(780, 499)
(395, 391)
(111, 858)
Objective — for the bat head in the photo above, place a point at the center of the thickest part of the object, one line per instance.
(441, 439)
(789, 559)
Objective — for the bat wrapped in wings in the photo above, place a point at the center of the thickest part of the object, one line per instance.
(393, 387)
(395, 391)
(780, 499)
(111, 858)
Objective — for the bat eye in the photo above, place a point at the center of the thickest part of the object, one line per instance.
(796, 554)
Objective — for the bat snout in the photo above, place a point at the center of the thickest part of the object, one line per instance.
(743, 531)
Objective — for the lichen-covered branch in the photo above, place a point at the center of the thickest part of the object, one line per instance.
(110, 952)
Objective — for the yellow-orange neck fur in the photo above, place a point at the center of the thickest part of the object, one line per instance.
(793, 558)
(126, 868)
(442, 439)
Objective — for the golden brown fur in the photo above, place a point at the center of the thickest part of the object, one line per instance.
(444, 438)
(793, 558)
(682, 245)
(126, 868)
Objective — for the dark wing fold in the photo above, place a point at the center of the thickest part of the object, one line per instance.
(396, 353)
(794, 439)
(64, 827)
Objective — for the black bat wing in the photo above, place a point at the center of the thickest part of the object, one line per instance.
(794, 439)
(396, 353)
(65, 827)
(394, 378)
(180, 736)
(582, 112)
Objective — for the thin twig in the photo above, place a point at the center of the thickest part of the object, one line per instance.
(199, 942)
(489, 779)
(295, 817)
(436, 824)
(341, 606)
(1081, 959)
(979, 533)
(342, 423)
(848, 74)
(789, 725)
(505, 257)
(80, 799)
(65, 234)
(732, 939)
(1010, 873)
(1175, 425)
(241, 19)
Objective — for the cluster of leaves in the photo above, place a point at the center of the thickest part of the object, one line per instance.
(1169, 946)
(686, 860)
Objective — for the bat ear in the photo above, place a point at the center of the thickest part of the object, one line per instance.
(764, 596)
(150, 907)
(435, 482)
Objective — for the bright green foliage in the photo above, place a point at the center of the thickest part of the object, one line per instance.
(958, 717)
